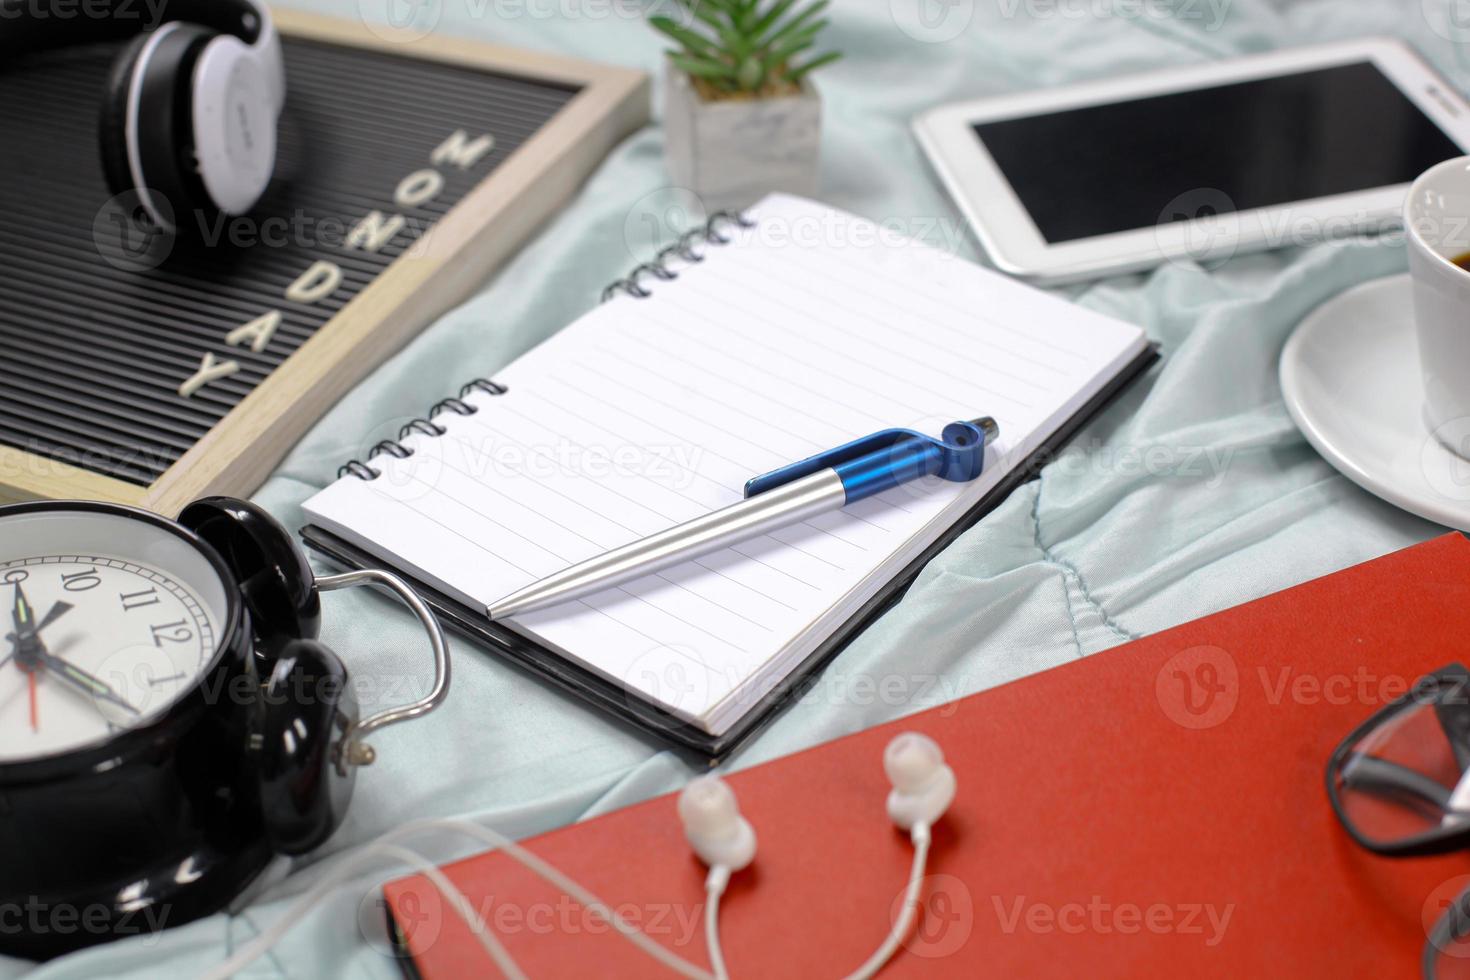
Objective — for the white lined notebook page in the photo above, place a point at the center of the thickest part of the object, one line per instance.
(806, 331)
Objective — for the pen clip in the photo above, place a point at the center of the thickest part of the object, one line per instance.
(961, 454)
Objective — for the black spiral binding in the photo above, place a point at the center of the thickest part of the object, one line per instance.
(709, 233)
(424, 426)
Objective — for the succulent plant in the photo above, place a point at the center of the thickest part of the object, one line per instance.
(746, 48)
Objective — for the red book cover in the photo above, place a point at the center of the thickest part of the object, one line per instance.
(1152, 811)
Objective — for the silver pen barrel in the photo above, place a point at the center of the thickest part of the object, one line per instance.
(785, 505)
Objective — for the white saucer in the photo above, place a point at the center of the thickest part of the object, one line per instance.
(1350, 374)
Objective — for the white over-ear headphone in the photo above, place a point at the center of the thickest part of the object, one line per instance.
(923, 788)
(191, 109)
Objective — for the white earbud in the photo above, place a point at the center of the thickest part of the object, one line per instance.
(712, 822)
(923, 786)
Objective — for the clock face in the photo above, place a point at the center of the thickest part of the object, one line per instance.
(106, 620)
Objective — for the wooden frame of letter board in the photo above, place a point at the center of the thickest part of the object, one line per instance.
(477, 234)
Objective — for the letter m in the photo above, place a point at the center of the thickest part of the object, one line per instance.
(460, 151)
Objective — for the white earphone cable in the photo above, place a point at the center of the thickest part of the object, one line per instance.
(714, 887)
(715, 884)
(268, 938)
(488, 939)
(900, 931)
(556, 877)
(386, 845)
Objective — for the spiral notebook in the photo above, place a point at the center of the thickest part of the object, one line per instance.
(754, 342)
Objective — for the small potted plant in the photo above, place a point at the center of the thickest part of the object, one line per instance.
(741, 117)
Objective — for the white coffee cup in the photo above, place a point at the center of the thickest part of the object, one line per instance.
(1437, 222)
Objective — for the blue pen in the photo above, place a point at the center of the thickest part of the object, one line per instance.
(825, 482)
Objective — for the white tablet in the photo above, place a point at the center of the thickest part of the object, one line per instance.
(1203, 162)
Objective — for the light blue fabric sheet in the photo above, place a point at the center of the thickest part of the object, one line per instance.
(1193, 493)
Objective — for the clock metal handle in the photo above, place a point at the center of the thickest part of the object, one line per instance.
(354, 751)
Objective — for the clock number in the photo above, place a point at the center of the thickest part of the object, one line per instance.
(137, 600)
(15, 576)
(83, 581)
(173, 632)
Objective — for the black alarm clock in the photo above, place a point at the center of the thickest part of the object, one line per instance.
(169, 724)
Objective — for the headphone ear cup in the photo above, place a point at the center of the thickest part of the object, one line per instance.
(307, 709)
(147, 127)
(234, 124)
(113, 124)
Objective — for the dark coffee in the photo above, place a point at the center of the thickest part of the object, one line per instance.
(1463, 261)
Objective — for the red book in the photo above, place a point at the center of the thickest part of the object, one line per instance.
(1153, 811)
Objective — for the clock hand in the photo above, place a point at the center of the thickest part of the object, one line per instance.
(21, 613)
(29, 647)
(82, 681)
(31, 682)
(26, 648)
(56, 612)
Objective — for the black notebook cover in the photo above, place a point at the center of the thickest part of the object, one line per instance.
(650, 718)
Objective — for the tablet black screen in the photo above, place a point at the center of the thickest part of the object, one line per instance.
(1126, 165)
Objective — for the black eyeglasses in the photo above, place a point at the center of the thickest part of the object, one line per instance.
(1400, 785)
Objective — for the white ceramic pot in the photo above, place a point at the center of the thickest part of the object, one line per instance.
(733, 152)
